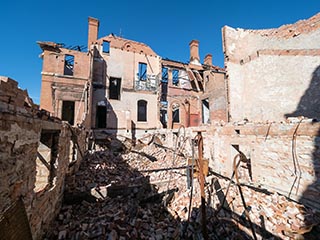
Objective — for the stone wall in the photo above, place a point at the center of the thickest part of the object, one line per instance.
(36, 153)
(273, 73)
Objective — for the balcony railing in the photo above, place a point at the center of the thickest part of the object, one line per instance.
(148, 84)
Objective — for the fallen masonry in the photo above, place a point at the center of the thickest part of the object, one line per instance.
(121, 194)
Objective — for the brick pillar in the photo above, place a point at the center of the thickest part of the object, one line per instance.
(208, 60)
(194, 52)
(92, 31)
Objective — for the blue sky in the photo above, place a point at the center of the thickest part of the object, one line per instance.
(166, 26)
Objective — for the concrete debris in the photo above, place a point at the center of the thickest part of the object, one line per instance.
(111, 197)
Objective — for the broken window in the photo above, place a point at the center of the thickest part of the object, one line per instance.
(142, 71)
(68, 112)
(142, 111)
(193, 80)
(47, 154)
(205, 111)
(101, 117)
(164, 91)
(68, 65)
(106, 47)
(175, 114)
(114, 88)
(164, 74)
(200, 80)
(163, 117)
(175, 77)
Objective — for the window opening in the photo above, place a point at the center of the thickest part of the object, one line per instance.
(68, 65)
(106, 47)
(205, 111)
(68, 112)
(164, 91)
(175, 77)
(175, 115)
(142, 71)
(163, 117)
(101, 117)
(47, 153)
(114, 88)
(142, 111)
(165, 74)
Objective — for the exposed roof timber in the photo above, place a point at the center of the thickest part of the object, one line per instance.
(200, 79)
(193, 78)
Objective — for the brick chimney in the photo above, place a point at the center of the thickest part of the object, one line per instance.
(208, 60)
(194, 52)
(93, 31)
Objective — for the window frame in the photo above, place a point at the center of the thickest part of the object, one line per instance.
(69, 65)
(117, 87)
(142, 105)
(175, 77)
(142, 67)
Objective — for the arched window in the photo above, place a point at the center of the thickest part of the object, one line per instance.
(142, 111)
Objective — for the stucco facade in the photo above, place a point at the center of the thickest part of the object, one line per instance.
(119, 86)
(273, 73)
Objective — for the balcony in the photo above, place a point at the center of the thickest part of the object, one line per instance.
(149, 83)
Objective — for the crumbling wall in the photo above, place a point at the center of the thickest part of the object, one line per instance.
(273, 73)
(58, 86)
(279, 166)
(35, 156)
(279, 157)
(216, 93)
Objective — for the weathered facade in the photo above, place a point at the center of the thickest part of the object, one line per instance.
(123, 87)
(260, 133)
(273, 73)
(65, 84)
(192, 94)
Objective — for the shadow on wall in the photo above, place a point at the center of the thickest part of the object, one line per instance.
(105, 117)
(310, 101)
(309, 106)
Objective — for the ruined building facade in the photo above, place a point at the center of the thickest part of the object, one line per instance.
(123, 86)
(258, 118)
(273, 73)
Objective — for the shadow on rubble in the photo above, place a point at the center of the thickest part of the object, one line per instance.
(308, 107)
(109, 199)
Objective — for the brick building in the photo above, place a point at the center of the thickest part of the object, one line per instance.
(122, 86)
(191, 93)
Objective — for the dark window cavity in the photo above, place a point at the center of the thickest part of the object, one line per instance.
(175, 115)
(101, 117)
(142, 111)
(114, 88)
(68, 65)
(68, 112)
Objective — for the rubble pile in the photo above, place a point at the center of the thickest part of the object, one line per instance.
(143, 193)
(269, 212)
